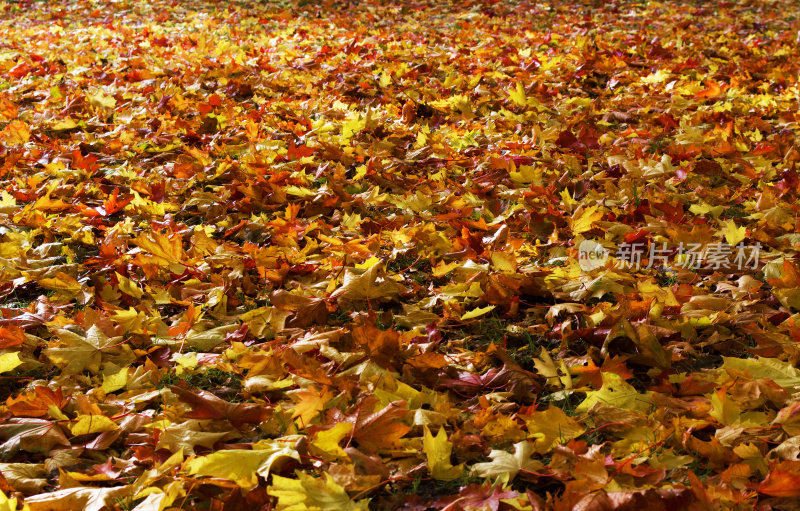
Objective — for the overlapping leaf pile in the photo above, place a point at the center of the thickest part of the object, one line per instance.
(324, 257)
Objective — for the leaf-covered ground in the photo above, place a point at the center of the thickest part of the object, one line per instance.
(333, 256)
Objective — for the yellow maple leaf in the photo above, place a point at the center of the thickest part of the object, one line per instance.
(188, 435)
(77, 353)
(87, 424)
(265, 321)
(9, 361)
(733, 234)
(616, 392)
(504, 262)
(81, 497)
(477, 312)
(352, 127)
(64, 285)
(7, 504)
(8, 203)
(551, 427)
(131, 320)
(101, 100)
(437, 450)
(243, 465)
(128, 286)
(518, 95)
(312, 493)
(166, 250)
(311, 403)
(115, 381)
(724, 409)
(782, 373)
(702, 208)
(327, 441)
(15, 133)
(583, 218)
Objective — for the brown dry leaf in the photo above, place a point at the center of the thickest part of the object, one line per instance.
(28, 478)
(380, 430)
(88, 499)
(382, 346)
(372, 284)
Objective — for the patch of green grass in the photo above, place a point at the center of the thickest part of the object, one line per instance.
(208, 379)
(716, 179)
(492, 329)
(425, 488)
(592, 435)
(526, 354)
(18, 304)
(381, 325)
(702, 472)
(400, 263)
(743, 348)
(431, 488)
(606, 298)
(735, 212)
(657, 144)
(126, 502)
(354, 189)
(666, 278)
(567, 402)
(414, 268)
(24, 298)
(341, 316)
(167, 380)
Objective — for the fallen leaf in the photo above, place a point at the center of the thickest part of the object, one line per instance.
(309, 493)
(242, 466)
(507, 465)
(437, 450)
